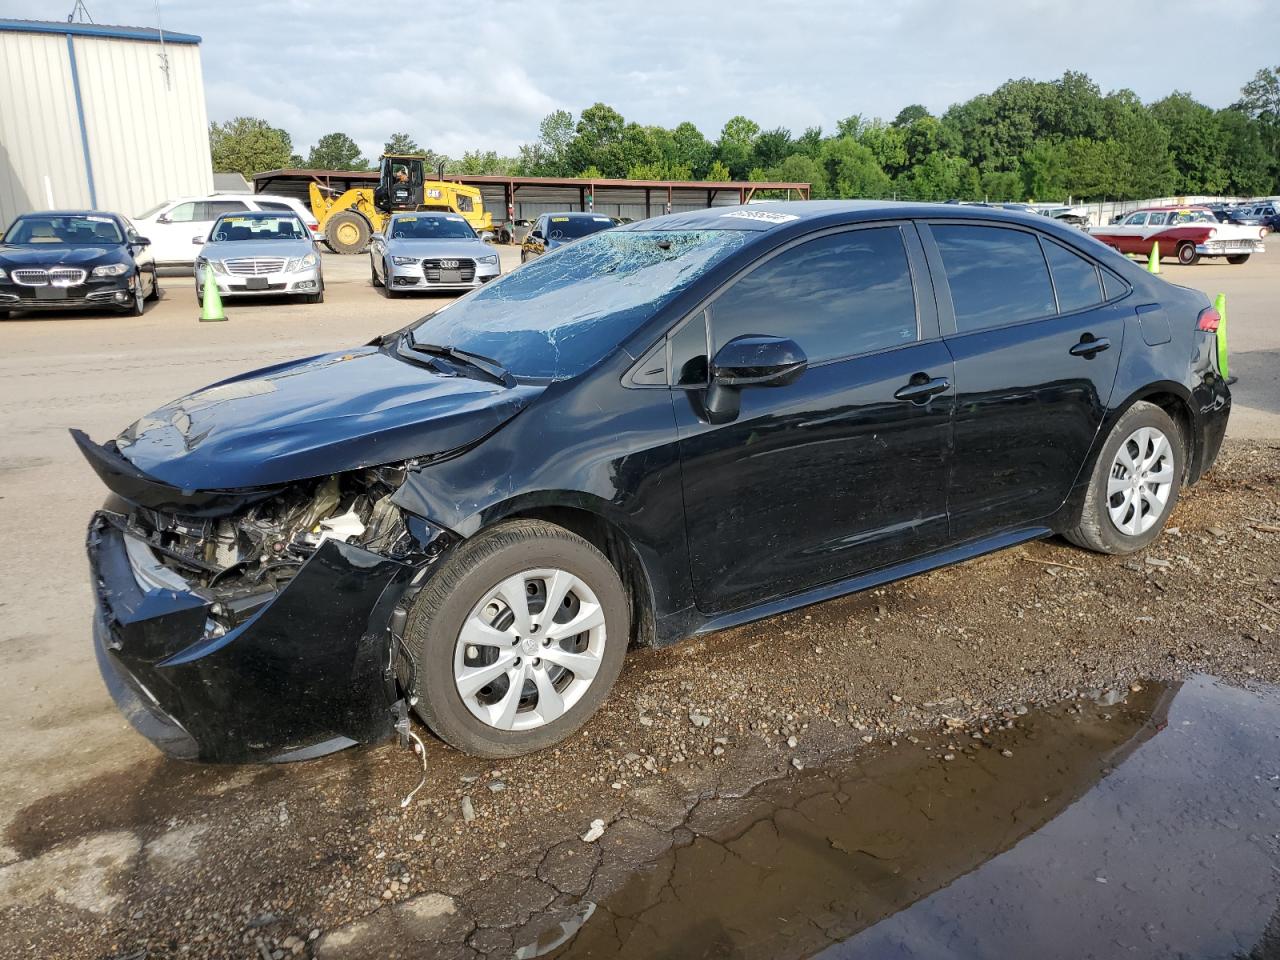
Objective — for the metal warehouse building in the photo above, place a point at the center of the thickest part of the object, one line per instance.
(99, 116)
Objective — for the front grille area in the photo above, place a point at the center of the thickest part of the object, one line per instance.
(254, 266)
(465, 270)
(53, 277)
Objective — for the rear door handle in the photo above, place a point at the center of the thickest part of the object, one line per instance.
(1090, 346)
(921, 387)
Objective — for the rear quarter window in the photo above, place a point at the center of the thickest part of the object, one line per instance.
(997, 276)
(1075, 279)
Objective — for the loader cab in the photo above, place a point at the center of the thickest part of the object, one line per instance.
(399, 183)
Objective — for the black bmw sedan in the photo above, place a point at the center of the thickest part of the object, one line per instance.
(663, 429)
(72, 259)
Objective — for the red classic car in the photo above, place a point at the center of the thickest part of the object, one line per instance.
(1187, 233)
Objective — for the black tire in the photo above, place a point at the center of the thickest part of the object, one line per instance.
(1094, 528)
(316, 297)
(5, 314)
(373, 274)
(1238, 258)
(155, 285)
(347, 233)
(1187, 255)
(139, 305)
(440, 610)
(388, 286)
(504, 237)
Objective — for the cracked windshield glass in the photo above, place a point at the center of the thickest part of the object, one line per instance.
(558, 315)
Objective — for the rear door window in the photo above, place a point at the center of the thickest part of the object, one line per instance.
(997, 276)
(1075, 279)
(1157, 219)
(213, 209)
(837, 296)
(1135, 220)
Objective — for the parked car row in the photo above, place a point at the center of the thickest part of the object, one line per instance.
(660, 430)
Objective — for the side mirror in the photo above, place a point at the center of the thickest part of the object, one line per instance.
(535, 235)
(163, 219)
(753, 360)
(141, 242)
(199, 240)
(378, 237)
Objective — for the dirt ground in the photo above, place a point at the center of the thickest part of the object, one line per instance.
(109, 850)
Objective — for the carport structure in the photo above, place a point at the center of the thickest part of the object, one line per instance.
(524, 198)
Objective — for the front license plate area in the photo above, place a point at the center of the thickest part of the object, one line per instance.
(256, 283)
(51, 293)
(450, 276)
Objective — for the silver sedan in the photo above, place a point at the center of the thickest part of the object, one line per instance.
(260, 254)
(430, 251)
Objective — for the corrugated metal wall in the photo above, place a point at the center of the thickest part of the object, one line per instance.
(146, 142)
(39, 132)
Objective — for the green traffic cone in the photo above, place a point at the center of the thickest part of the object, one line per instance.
(1153, 261)
(211, 304)
(1220, 304)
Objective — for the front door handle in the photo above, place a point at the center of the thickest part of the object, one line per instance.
(1090, 346)
(921, 387)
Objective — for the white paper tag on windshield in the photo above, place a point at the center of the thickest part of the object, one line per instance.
(766, 216)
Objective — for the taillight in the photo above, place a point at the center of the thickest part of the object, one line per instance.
(1209, 320)
(315, 227)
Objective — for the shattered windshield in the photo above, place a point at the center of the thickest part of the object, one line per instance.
(559, 314)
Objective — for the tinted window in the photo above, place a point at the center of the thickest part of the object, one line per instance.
(996, 276)
(569, 228)
(836, 296)
(213, 209)
(560, 313)
(1111, 285)
(689, 352)
(425, 227)
(1074, 278)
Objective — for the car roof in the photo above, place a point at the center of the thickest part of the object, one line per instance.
(416, 214)
(69, 213)
(577, 214)
(1176, 206)
(258, 215)
(761, 217)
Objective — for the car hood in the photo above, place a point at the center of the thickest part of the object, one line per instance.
(315, 417)
(235, 249)
(53, 254)
(474, 249)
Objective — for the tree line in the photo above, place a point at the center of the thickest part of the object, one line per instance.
(1028, 139)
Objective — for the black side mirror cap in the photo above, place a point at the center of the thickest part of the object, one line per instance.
(755, 360)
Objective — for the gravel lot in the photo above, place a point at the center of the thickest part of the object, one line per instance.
(110, 851)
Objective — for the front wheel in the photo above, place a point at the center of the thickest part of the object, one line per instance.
(1187, 255)
(517, 639)
(1135, 483)
(139, 305)
(1238, 258)
(316, 297)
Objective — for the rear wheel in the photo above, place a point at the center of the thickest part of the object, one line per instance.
(1135, 483)
(517, 639)
(1238, 258)
(347, 233)
(1187, 255)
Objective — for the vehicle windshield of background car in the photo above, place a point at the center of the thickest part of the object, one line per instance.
(560, 314)
(269, 227)
(431, 228)
(1193, 216)
(75, 231)
(570, 228)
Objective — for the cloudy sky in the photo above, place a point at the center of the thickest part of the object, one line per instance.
(459, 76)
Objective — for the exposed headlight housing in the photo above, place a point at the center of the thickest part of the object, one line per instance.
(111, 270)
(405, 261)
(302, 263)
(490, 259)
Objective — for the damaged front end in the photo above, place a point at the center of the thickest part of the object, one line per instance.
(256, 625)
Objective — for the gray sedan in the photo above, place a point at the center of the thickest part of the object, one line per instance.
(430, 251)
(260, 254)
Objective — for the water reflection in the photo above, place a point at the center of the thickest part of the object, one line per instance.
(1149, 828)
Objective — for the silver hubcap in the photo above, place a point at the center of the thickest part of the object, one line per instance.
(1140, 481)
(529, 650)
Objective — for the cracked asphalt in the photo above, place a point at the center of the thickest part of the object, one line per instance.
(110, 851)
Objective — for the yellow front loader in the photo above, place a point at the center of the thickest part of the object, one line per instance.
(350, 217)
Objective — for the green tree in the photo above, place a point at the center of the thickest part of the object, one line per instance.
(718, 172)
(852, 170)
(910, 114)
(887, 143)
(736, 146)
(555, 133)
(1193, 130)
(336, 151)
(597, 141)
(482, 163)
(1260, 102)
(248, 145)
(692, 149)
(1245, 161)
(401, 143)
(772, 147)
(801, 168)
(809, 143)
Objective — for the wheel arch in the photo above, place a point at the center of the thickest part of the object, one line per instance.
(1174, 399)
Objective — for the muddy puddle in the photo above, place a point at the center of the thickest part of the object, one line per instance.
(1143, 828)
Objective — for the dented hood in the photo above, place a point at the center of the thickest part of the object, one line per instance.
(314, 417)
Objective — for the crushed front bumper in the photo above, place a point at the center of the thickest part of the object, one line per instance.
(310, 671)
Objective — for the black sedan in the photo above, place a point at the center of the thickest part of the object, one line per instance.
(554, 230)
(73, 259)
(664, 429)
